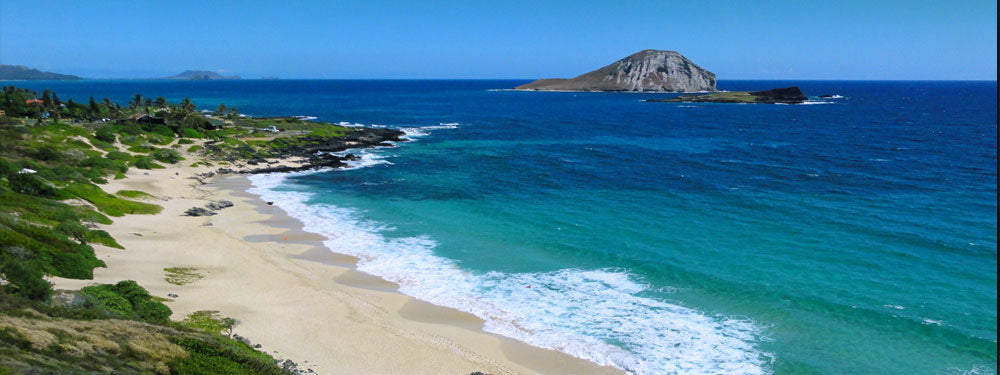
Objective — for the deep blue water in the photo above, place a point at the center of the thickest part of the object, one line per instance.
(855, 235)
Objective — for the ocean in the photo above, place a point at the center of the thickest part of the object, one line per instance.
(851, 235)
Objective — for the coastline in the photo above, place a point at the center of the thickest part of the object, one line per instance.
(293, 296)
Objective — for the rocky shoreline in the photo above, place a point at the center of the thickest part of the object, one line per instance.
(786, 95)
(312, 152)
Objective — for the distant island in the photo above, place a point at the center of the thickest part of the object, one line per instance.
(645, 71)
(23, 73)
(787, 95)
(200, 75)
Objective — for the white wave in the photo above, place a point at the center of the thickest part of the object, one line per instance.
(365, 158)
(598, 315)
(423, 131)
(808, 102)
(350, 125)
(306, 118)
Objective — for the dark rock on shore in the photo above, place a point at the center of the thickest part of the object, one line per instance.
(198, 211)
(787, 95)
(215, 206)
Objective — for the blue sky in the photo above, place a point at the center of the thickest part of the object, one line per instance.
(501, 39)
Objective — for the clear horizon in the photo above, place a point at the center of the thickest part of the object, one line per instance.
(513, 40)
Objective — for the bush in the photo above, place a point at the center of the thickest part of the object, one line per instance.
(106, 134)
(219, 355)
(184, 141)
(190, 133)
(27, 183)
(118, 155)
(145, 162)
(24, 280)
(166, 155)
(128, 300)
(194, 148)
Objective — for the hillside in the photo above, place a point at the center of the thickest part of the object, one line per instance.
(23, 73)
(645, 71)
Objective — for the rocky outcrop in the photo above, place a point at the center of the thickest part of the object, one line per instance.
(198, 211)
(645, 71)
(218, 205)
(787, 95)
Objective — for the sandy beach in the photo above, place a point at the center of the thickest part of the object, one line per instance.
(291, 295)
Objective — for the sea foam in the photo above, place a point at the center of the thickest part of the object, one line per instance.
(599, 315)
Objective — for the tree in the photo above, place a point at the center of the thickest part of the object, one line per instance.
(187, 105)
(222, 109)
(233, 114)
(93, 110)
(46, 98)
(161, 102)
(228, 324)
(136, 101)
(55, 99)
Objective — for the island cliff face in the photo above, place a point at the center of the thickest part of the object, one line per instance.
(645, 71)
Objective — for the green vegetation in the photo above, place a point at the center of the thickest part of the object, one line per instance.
(134, 194)
(110, 204)
(128, 300)
(117, 329)
(182, 275)
(53, 156)
(209, 321)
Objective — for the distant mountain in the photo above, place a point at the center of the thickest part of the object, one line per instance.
(645, 71)
(200, 75)
(23, 73)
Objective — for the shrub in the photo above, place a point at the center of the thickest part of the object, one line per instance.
(128, 300)
(27, 183)
(24, 280)
(166, 155)
(145, 162)
(220, 355)
(194, 148)
(191, 133)
(106, 134)
(118, 155)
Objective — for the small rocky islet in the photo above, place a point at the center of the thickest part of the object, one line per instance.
(786, 95)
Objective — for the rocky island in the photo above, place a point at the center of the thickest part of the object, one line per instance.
(201, 75)
(645, 71)
(787, 95)
(23, 73)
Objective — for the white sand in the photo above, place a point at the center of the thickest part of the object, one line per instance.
(295, 298)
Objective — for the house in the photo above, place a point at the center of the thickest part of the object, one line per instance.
(271, 129)
(3, 113)
(34, 102)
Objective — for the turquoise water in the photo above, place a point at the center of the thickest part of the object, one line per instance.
(852, 235)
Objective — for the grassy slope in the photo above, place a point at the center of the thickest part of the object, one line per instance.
(46, 170)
